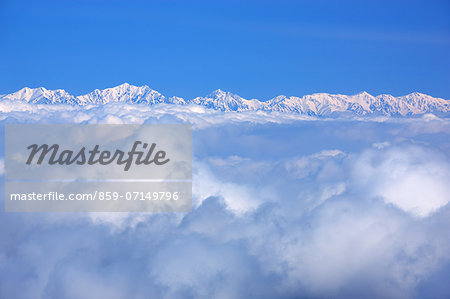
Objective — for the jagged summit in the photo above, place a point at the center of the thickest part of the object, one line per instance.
(41, 95)
(218, 92)
(363, 94)
(122, 93)
(317, 104)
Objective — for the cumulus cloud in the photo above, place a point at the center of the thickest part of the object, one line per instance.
(414, 179)
(282, 208)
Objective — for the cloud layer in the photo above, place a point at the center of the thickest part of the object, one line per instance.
(282, 208)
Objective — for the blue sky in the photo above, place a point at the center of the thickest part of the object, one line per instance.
(257, 49)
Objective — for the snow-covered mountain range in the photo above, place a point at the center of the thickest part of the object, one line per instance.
(318, 104)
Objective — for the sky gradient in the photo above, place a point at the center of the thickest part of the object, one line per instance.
(257, 49)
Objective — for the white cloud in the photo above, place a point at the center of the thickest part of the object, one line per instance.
(239, 198)
(296, 209)
(414, 179)
(381, 145)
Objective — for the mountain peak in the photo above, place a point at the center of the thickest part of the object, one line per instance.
(363, 94)
(224, 95)
(127, 87)
(124, 86)
(218, 93)
(123, 93)
(417, 94)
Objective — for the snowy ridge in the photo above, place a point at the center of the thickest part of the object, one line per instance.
(318, 104)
